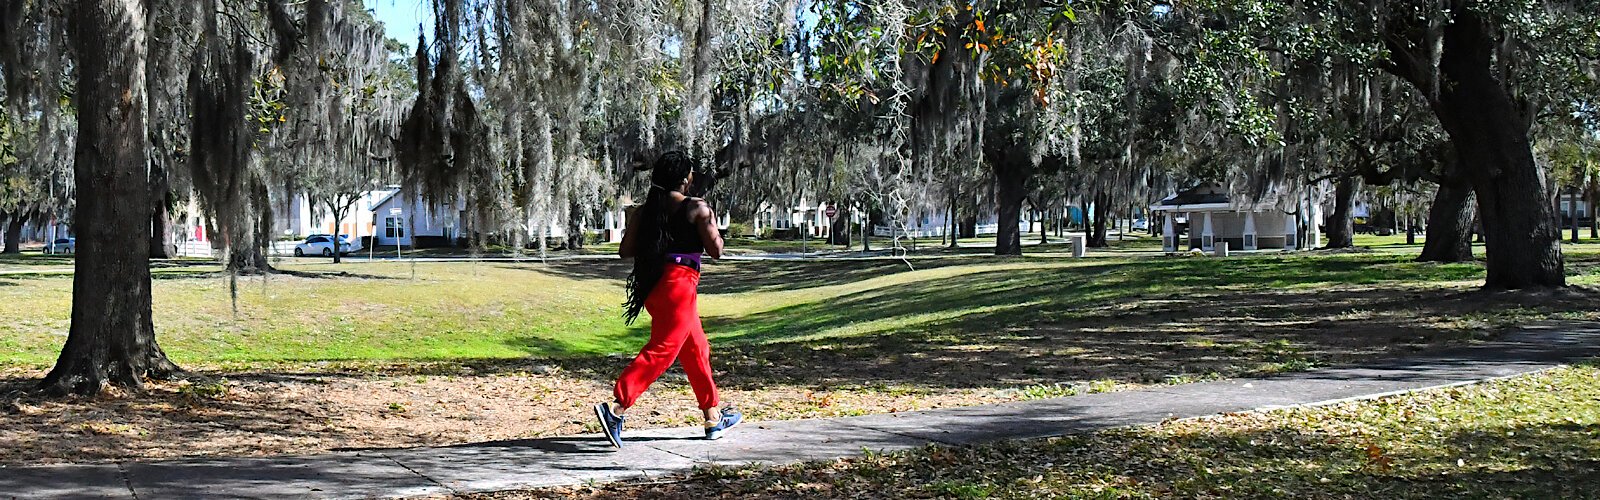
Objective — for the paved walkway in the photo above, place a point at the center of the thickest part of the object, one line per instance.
(580, 459)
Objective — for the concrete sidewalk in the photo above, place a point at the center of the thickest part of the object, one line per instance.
(581, 459)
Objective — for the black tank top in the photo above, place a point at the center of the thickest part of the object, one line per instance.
(681, 234)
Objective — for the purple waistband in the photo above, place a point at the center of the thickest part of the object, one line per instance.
(689, 260)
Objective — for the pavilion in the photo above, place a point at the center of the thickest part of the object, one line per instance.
(1214, 216)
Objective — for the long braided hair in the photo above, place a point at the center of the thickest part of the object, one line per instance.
(651, 251)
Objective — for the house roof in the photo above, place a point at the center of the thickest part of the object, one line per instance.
(393, 190)
(1210, 197)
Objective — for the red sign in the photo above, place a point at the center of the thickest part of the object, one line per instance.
(831, 211)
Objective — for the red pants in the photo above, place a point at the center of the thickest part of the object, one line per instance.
(674, 330)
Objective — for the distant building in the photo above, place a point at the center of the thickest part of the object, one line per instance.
(1213, 216)
(403, 218)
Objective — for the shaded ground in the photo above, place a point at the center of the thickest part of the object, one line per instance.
(473, 352)
(1532, 437)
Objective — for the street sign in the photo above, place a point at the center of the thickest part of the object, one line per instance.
(831, 211)
(394, 211)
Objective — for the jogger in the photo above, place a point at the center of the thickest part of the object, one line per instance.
(666, 237)
(675, 333)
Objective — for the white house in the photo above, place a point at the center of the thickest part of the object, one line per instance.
(1565, 207)
(402, 218)
(299, 218)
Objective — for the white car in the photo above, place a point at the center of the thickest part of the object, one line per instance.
(62, 246)
(1141, 225)
(322, 244)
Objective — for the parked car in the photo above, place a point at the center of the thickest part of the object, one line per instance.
(322, 244)
(62, 246)
(355, 246)
(1141, 225)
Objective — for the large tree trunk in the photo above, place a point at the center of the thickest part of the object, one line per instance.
(955, 221)
(338, 221)
(162, 245)
(112, 340)
(1341, 222)
(1009, 193)
(13, 237)
(839, 233)
(1490, 134)
(1044, 227)
(1101, 211)
(1450, 219)
(866, 231)
(575, 227)
(1594, 218)
(1572, 213)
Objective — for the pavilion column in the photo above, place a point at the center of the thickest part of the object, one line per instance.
(1249, 230)
(1290, 233)
(1207, 237)
(1169, 234)
(1313, 233)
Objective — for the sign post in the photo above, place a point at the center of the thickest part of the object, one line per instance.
(831, 212)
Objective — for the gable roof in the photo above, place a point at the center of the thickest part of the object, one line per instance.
(1211, 197)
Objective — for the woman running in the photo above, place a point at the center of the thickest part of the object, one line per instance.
(665, 238)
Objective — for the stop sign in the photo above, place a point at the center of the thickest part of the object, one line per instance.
(831, 211)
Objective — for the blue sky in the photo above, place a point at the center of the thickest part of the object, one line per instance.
(400, 17)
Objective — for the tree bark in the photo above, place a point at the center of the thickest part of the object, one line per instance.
(1098, 216)
(1009, 195)
(112, 339)
(1572, 214)
(1044, 227)
(1490, 133)
(338, 221)
(161, 241)
(1450, 220)
(956, 221)
(13, 244)
(839, 233)
(866, 232)
(1411, 229)
(575, 227)
(1594, 218)
(1341, 222)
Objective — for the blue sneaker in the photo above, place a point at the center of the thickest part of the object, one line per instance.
(610, 423)
(730, 418)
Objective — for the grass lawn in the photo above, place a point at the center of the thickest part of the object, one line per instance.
(1535, 436)
(405, 354)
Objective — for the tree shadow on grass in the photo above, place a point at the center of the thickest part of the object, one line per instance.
(1151, 321)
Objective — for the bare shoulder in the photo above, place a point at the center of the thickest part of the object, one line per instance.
(697, 208)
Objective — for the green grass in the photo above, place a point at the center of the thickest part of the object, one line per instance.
(953, 322)
(32, 261)
(1535, 436)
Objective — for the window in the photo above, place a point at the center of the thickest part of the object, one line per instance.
(392, 228)
(317, 239)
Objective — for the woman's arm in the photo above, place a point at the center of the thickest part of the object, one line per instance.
(629, 246)
(710, 235)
